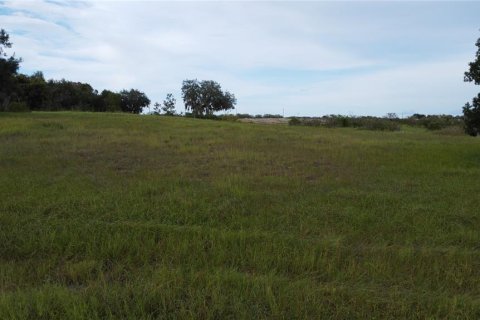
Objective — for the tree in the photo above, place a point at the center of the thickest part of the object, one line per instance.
(157, 109)
(473, 74)
(206, 97)
(4, 42)
(391, 116)
(133, 101)
(169, 105)
(471, 112)
(8, 69)
(111, 101)
(471, 117)
(69, 95)
(32, 90)
(191, 96)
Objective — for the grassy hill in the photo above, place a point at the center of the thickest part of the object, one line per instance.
(121, 216)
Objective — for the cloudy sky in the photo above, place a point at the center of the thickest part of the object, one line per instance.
(300, 58)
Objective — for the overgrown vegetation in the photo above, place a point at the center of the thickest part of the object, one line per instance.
(433, 122)
(430, 122)
(117, 216)
(334, 121)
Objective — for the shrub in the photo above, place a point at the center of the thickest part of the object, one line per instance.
(378, 124)
(337, 121)
(435, 124)
(18, 107)
(244, 116)
(294, 122)
(268, 115)
(228, 117)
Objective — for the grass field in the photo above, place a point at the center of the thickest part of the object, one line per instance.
(142, 217)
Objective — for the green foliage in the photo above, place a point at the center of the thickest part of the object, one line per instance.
(370, 123)
(434, 122)
(206, 97)
(37, 94)
(335, 121)
(17, 107)
(418, 116)
(473, 74)
(168, 107)
(41, 95)
(471, 112)
(34, 90)
(133, 101)
(268, 115)
(110, 101)
(176, 218)
(244, 116)
(69, 95)
(294, 121)
(8, 69)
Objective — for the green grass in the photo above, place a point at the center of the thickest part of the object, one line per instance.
(108, 216)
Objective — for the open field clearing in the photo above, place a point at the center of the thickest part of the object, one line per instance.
(141, 217)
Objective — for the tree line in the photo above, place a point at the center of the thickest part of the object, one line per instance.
(20, 92)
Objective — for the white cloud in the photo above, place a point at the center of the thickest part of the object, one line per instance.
(153, 46)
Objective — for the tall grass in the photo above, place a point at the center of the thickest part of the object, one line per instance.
(107, 216)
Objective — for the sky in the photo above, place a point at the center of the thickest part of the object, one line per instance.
(293, 58)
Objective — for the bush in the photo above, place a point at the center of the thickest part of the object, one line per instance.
(244, 116)
(337, 121)
(200, 116)
(334, 121)
(268, 115)
(313, 122)
(294, 122)
(378, 124)
(228, 117)
(18, 107)
(435, 124)
(451, 131)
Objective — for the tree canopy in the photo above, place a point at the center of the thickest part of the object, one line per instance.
(8, 69)
(471, 112)
(20, 92)
(133, 101)
(169, 105)
(206, 97)
(473, 74)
